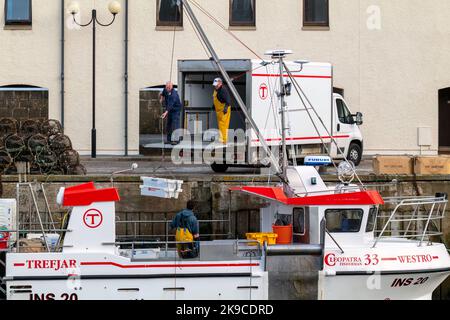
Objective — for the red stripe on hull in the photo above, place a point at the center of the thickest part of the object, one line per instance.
(192, 265)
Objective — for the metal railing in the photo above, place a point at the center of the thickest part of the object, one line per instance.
(36, 216)
(135, 226)
(251, 248)
(33, 216)
(342, 188)
(166, 236)
(415, 215)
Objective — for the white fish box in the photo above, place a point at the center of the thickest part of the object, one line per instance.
(160, 188)
(51, 239)
(146, 254)
(34, 236)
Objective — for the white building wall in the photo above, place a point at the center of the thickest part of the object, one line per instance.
(392, 75)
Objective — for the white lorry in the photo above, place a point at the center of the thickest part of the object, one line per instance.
(309, 129)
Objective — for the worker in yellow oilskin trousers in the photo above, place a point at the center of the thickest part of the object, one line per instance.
(222, 105)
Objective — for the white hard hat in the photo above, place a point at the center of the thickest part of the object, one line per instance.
(216, 81)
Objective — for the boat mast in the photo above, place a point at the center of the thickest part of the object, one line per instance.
(233, 89)
(284, 158)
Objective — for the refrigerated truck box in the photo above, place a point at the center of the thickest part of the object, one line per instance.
(257, 83)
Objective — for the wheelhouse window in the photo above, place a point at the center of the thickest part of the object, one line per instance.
(169, 13)
(299, 221)
(344, 114)
(343, 220)
(316, 13)
(371, 220)
(18, 12)
(242, 13)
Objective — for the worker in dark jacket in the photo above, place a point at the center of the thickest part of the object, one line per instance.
(171, 100)
(188, 234)
(222, 105)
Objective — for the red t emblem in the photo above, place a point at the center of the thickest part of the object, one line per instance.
(263, 91)
(92, 218)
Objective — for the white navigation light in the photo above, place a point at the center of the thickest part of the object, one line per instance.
(346, 172)
(60, 196)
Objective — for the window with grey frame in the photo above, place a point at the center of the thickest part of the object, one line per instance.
(169, 13)
(18, 12)
(316, 13)
(372, 219)
(299, 221)
(242, 13)
(343, 220)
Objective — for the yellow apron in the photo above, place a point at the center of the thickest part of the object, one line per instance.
(186, 238)
(223, 120)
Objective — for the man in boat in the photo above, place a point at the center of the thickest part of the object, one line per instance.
(187, 232)
(222, 105)
(171, 100)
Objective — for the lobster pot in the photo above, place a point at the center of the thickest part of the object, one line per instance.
(46, 160)
(2, 141)
(5, 159)
(69, 158)
(8, 126)
(60, 143)
(42, 145)
(51, 128)
(30, 128)
(161, 188)
(37, 143)
(24, 156)
(14, 145)
(77, 170)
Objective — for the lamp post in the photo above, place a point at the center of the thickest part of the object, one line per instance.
(114, 8)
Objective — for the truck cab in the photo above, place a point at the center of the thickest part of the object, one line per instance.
(346, 131)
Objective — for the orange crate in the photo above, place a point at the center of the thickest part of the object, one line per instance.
(261, 237)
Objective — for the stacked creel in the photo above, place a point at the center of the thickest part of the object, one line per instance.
(41, 144)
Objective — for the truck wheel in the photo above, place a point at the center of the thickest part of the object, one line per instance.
(219, 168)
(354, 153)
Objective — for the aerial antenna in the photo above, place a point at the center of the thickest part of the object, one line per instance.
(280, 55)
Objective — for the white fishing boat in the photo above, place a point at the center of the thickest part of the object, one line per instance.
(334, 241)
(337, 242)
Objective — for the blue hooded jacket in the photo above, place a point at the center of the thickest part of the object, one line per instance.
(172, 100)
(186, 218)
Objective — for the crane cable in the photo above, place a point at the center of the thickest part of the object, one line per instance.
(173, 53)
(217, 22)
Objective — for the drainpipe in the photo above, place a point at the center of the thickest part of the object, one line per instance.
(126, 78)
(62, 61)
